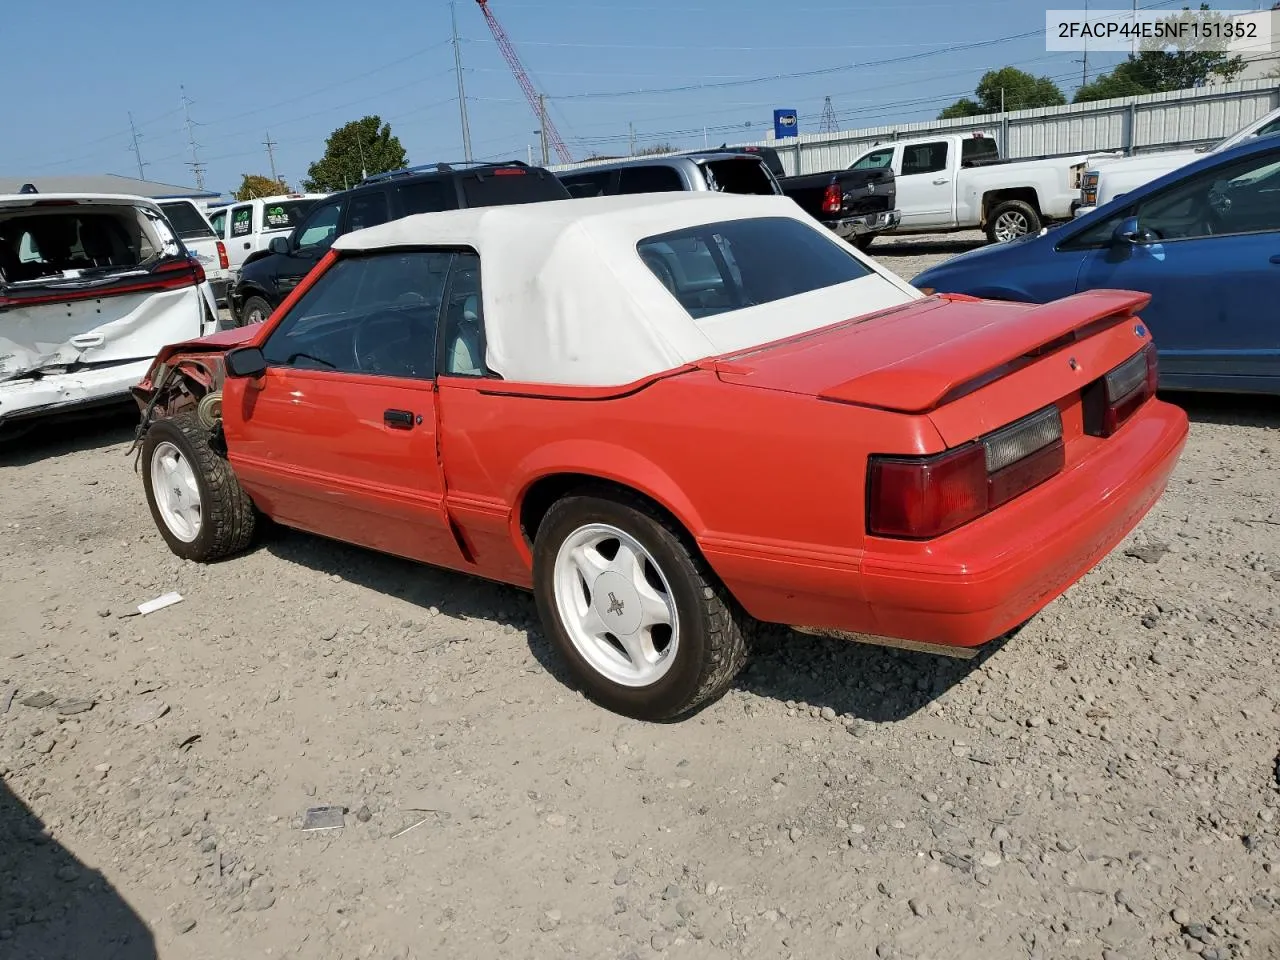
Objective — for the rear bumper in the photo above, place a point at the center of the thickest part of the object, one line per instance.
(982, 580)
(63, 392)
(847, 227)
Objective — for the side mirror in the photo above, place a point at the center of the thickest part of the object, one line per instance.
(279, 245)
(246, 362)
(1130, 232)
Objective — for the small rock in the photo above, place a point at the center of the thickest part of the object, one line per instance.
(72, 707)
(260, 898)
(44, 745)
(500, 936)
(1035, 721)
(106, 612)
(67, 874)
(549, 921)
(622, 877)
(828, 714)
(147, 711)
(794, 834)
(919, 907)
(556, 820)
(1180, 916)
(990, 859)
(660, 941)
(672, 892)
(710, 889)
(619, 905)
(183, 925)
(38, 700)
(363, 814)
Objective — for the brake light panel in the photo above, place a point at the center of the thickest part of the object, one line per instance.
(1112, 399)
(832, 199)
(918, 498)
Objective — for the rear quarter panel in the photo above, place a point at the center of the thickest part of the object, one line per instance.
(764, 480)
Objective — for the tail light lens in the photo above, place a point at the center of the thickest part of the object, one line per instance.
(1113, 399)
(170, 275)
(833, 199)
(917, 498)
(197, 271)
(223, 262)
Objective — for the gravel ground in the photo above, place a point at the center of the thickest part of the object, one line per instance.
(1104, 785)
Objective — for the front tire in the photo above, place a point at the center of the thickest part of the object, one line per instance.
(646, 628)
(196, 501)
(1011, 220)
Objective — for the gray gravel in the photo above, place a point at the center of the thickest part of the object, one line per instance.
(1103, 785)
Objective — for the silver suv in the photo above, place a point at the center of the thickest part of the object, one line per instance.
(714, 170)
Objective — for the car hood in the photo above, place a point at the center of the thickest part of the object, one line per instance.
(1004, 254)
(917, 356)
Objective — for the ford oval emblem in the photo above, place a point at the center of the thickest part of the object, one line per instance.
(1139, 330)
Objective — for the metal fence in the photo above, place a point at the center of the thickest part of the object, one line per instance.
(1158, 121)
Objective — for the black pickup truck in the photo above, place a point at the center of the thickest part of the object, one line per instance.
(856, 204)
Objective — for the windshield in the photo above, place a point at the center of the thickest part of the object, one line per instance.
(720, 267)
(187, 221)
(283, 214)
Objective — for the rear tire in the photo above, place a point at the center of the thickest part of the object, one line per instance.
(1012, 219)
(863, 241)
(255, 310)
(646, 628)
(196, 501)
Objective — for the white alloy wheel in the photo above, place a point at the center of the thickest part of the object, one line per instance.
(616, 605)
(177, 495)
(1010, 225)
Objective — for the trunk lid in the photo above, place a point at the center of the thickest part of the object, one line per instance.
(917, 357)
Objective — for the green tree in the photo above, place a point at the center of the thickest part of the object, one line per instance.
(356, 149)
(1006, 89)
(656, 149)
(256, 185)
(1161, 66)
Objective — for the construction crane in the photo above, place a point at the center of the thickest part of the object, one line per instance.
(537, 102)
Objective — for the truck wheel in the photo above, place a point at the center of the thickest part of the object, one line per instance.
(255, 310)
(863, 241)
(196, 501)
(1012, 219)
(644, 625)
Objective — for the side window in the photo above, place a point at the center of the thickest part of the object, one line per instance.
(587, 184)
(656, 179)
(368, 210)
(924, 158)
(875, 159)
(317, 233)
(1267, 129)
(219, 223)
(463, 320)
(241, 221)
(427, 196)
(374, 315)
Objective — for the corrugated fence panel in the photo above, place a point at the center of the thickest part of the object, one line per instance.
(1158, 121)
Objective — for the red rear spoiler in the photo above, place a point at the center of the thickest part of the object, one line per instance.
(942, 373)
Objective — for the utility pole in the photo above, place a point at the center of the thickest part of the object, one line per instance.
(542, 127)
(462, 91)
(137, 151)
(364, 168)
(195, 164)
(706, 144)
(271, 155)
(631, 139)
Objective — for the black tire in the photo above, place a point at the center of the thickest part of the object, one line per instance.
(863, 241)
(713, 628)
(251, 306)
(1013, 210)
(228, 518)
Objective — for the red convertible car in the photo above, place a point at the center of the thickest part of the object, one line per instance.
(671, 417)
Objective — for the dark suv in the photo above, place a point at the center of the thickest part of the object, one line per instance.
(268, 276)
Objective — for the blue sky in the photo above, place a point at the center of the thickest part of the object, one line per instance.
(299, 70)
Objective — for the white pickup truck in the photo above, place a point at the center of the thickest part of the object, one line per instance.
(1105, 180)
(248, 226)
(959, 182)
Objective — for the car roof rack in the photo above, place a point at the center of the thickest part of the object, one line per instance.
(438, 168)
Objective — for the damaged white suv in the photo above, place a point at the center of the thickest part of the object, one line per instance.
(91, 287)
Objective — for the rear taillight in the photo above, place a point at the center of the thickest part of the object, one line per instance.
(916, 498)
(1110, 401)
(833, 199)
(170, 275)
(223, 262)
(197, 271)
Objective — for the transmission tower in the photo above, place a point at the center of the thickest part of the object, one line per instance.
(828, 123)
(194, 163)
(137, 150)
(537, 102)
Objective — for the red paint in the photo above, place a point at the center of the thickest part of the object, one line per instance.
(768, 477)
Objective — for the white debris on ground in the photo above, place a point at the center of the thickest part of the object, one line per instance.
(1102, 786)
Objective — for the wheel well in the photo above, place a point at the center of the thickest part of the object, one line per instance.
(996, 197)
(545, 491)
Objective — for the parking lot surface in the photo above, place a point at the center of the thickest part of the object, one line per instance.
(1102, 785)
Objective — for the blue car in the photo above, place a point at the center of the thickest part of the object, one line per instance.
(1204, 241)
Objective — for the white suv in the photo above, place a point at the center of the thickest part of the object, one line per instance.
(91, 287)
(248, 226)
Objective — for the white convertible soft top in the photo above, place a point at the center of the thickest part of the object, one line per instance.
(567, 299)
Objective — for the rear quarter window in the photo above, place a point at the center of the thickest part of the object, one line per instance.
(187, 221)
(721, 267)
(513, 185)
(659, 178)
(745, 175)
(978, 148)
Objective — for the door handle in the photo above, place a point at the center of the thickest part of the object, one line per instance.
(1276, 258)
(398, 419)
(83, 341)
(942, 180)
